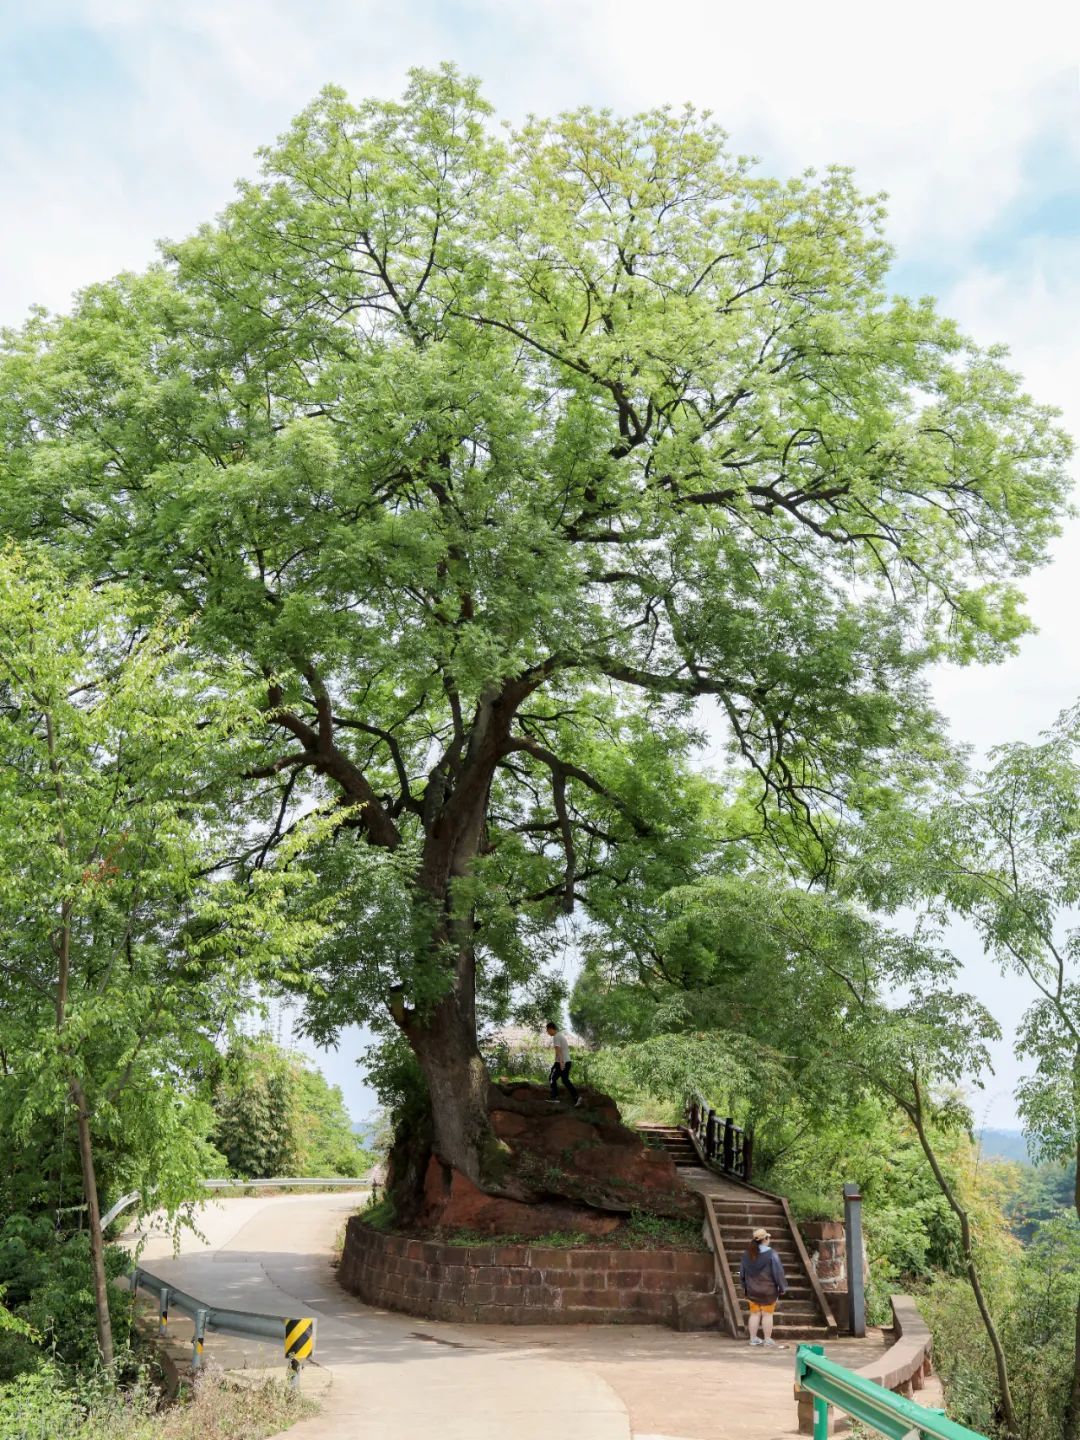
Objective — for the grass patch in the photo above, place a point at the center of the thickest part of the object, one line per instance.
(639, 1232)
(658, 1232)
(553, 1240)
(40, 1406)
(380, 1216)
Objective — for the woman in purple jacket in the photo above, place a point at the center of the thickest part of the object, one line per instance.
(762, 1278)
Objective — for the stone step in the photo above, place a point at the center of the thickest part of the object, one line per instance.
(736, 1244)
(732, 1206)
(737, 1205)
(791, 1305)
(799, 1332)
(796, 1292)
(747, 1224)
(788, 1259)
(739, 1233)
(792, 1314)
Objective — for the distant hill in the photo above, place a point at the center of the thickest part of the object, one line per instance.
(1004, 1145)
(366, 1130)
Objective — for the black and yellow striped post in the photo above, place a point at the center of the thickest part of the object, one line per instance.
(299, 1344)
(163, 1311)
(198, 1338)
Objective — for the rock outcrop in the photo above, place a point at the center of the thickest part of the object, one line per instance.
(580, 1170)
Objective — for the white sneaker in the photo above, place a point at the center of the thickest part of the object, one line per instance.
(579, 1102)
(757, 1341)
(772, 1345)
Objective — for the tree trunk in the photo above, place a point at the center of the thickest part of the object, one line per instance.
(97, 1240)
(1000, 1363)
(1071, 1430)
(444, 1043)
(443, 1037)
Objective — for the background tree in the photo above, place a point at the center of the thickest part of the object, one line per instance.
(126, 946)
(276, 1115)
(490, 457)
(1012, 865)
(916, 1055)
(757, 977)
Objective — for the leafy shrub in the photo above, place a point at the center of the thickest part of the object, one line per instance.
(36, 1406)
(44, 1406)
(48, 1284)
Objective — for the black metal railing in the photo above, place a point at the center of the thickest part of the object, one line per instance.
(726, 1145)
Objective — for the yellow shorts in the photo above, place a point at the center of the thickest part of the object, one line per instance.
(756, 1309)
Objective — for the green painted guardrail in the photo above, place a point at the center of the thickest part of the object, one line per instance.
(891, 1415)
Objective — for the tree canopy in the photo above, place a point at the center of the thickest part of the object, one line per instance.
(488, 457)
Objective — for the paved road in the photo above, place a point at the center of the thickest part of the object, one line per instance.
(389, 1377)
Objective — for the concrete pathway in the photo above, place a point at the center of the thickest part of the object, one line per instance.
(381, 1376)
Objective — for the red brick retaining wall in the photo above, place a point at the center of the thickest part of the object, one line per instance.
(529, 1284)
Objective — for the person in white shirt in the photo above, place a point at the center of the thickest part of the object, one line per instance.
(561, 1069)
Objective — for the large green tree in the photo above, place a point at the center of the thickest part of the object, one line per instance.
(491, 456)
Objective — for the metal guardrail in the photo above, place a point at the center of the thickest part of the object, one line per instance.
(335, 1182)
(296, 1335)
(893, 1416)
(332, 1182)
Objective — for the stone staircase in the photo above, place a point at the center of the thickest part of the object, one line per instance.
(673, 1141)
(734, 1211)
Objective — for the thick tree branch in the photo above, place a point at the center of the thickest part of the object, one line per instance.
(575, 772)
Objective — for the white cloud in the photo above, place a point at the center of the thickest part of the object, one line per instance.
(1033, 305)
(936, 105)
(940, 108)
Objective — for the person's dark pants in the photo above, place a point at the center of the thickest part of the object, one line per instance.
(562, 1072)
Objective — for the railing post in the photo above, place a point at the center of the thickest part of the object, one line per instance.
(853, 1236)
(163, 1310)
(711, 1127)
(821, 1418)
(729, 1145)
(199, 1338)
(748, 1156)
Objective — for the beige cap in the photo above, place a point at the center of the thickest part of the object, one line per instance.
(760, 1235)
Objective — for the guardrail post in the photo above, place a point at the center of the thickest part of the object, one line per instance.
(821, 1418)
(729, 1144)
(821, 1407)
(199, 1338)
(853, 1235)
(163, 1310)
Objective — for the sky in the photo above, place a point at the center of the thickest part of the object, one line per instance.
(123, 122)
